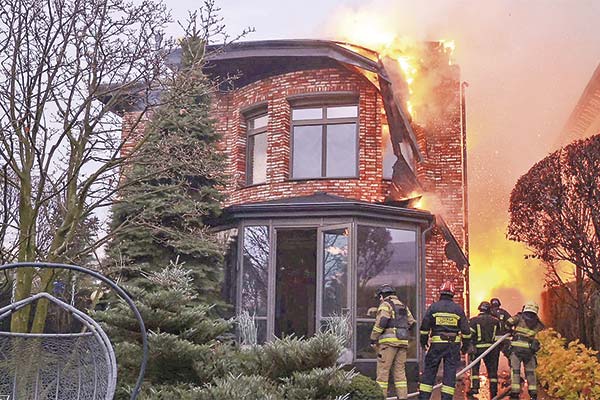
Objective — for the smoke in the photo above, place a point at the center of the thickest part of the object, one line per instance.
(526, 64)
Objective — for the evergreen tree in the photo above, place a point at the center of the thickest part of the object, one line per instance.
(171, 188)
(184, 351)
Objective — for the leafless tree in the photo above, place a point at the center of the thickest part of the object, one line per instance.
(65, 67)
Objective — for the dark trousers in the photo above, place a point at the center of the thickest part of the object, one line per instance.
(438, 352)
(491, 364)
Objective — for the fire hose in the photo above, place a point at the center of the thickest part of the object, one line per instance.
(465, 369)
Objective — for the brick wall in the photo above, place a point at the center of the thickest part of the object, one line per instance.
(369, 186)
(438, 132)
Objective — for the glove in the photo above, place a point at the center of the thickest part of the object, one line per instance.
(466, 347)
(535, 345)
(424, 342)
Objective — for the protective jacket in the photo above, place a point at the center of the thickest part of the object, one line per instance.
(393, 323)
(484, 330)
(503, 316)
(443, 324)
(445, 321)
(524, 327)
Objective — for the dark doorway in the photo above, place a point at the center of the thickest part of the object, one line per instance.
(296, 282)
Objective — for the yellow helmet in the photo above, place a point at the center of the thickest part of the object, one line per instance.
(531, 307)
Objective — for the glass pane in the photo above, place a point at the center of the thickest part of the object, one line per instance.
(255, 270)
(307, 151)
(342, 112)
(363, 340)
(261, 330)
(335, 272)
(307, 113)
(341, 150)
(389, 158)
(387, 256)
(228, 239)
(258, 158)
(260, 122)
(296, 277)
(408, 154)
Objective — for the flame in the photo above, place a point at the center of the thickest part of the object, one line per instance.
(503, 272)
(356, 29)
(448, 47)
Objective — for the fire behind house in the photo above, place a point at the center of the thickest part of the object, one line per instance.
(336, 187)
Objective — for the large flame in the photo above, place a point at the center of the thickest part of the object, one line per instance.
(363, 29)
(500, 273)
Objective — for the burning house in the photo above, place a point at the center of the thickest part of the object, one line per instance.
(345, 174)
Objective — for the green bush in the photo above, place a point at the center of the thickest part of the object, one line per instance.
(240, 387)
(281, 358)
(317, 384)
(364, 388)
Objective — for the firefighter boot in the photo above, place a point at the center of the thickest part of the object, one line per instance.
(533, 395)
(493, 388)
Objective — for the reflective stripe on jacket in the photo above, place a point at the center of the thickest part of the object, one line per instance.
(484, 329)
(384, 331)
(523, 332)
(446, 322)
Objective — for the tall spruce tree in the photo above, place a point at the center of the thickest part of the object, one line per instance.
(175, 182)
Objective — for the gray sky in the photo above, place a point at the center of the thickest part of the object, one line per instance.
(526, 63)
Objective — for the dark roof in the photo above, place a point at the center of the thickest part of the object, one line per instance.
(324, 204)
(256, 60)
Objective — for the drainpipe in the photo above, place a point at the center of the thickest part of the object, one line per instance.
(463, 117)
(424, 269)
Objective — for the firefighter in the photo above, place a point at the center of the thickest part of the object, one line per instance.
(499, 313)
(484, 329)
(440, 335)
(524, 327)
(389, 337)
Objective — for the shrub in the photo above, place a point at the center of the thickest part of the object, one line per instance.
(567, 371)
(364, 388)
(317, 384)
(281, 358)
(240, 387)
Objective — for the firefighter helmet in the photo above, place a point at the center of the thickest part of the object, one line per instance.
(447, 288)
(484, 306)
(531, 307)
(385, 290)
(495, 302)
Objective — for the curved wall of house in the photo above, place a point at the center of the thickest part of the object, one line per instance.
(275, 94)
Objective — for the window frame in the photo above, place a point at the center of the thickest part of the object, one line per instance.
(251, 132)
(324, 121)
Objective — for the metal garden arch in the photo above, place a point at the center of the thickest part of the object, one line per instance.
(62, 366)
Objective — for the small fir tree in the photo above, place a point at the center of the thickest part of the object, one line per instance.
(184, 351)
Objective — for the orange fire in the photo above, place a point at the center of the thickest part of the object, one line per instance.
(500, 272)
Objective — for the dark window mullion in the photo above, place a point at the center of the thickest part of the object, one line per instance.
(324, 151)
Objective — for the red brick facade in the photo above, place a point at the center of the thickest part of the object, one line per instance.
(441, 173)
(440, 138)
(275, 91)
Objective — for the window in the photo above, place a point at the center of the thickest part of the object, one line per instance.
(384, 255)
(256, 157)
(255, 276)
(389, 158)
(325, 142)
